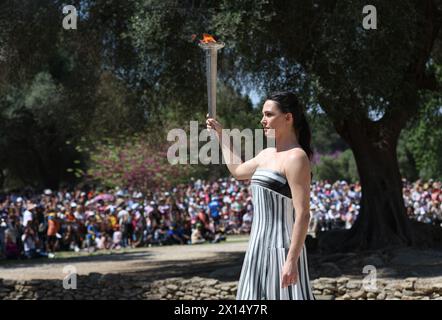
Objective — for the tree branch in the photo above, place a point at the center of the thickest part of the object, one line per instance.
(432, 28)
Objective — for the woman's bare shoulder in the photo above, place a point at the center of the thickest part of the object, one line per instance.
(296, 158)
(297, 153)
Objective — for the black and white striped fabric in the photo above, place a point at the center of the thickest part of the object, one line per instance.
(269, 243)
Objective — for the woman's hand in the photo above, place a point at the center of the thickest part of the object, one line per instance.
(213, 124)
(289, 274)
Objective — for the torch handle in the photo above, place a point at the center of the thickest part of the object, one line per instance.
(211, 63)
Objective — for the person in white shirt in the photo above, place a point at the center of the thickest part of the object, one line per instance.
(28, 214)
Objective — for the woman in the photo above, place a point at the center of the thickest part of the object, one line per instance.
(275, 264)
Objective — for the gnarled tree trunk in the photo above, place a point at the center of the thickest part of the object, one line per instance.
(382, 219)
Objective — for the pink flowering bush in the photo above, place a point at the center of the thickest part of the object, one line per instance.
(136, 162)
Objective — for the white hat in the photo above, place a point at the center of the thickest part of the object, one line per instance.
(78, 215)
(122, 213)
(73, 205)
(119, 193)
(19, 199)
(47, 192)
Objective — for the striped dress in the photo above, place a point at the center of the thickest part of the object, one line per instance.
(269, 243)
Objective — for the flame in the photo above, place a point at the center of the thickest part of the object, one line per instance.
(207, 38)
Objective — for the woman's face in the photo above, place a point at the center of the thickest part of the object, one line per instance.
(273, 118)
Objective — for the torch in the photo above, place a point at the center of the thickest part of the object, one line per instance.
(211, 47)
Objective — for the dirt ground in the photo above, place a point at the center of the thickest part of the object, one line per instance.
(223, 261)
(174, 260)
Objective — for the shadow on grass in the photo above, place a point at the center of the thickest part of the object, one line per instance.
(94, 257)
(126, 254)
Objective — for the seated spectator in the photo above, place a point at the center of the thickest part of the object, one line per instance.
(29, 240)
(219, 235)
(197, 236)
(174, 235)
(69, 240)
(11, 248)
(246, 222)
(102, 241)
(117, 239)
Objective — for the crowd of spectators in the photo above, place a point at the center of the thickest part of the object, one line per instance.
(34, 224)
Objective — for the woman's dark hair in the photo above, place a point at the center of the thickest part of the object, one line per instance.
(288, 102)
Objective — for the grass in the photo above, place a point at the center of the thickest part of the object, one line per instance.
(73, 255)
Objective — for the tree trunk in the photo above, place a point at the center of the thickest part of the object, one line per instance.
(382, 219)
(2, 179)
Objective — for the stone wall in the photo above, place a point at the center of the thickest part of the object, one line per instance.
(403, 289)
(114, 286)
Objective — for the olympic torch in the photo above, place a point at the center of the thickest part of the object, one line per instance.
(211, 47)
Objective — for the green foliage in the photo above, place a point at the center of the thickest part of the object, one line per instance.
(235, 110)
(304, 45)
(421, 142)
(35, 126)
(406, 161)
(325, 139)
(340, 167)
(58, 86)
(169, 66)
(133, 66)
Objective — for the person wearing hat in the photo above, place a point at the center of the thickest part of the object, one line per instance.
(19, 200)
